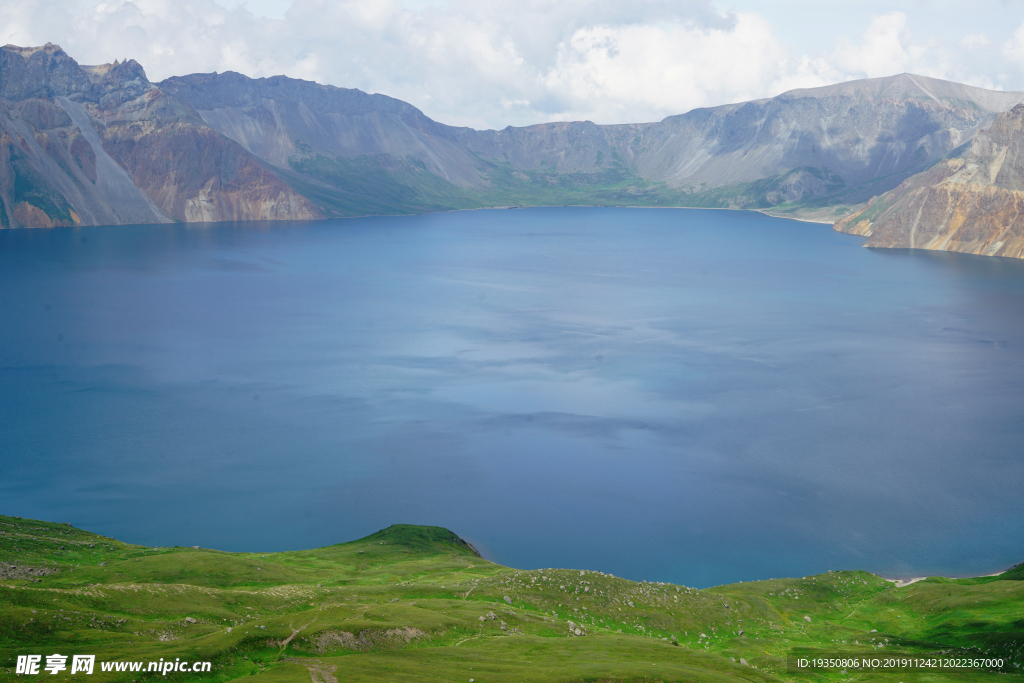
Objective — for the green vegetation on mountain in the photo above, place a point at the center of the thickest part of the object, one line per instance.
(412, 603)
(370, 184)
(30, 192)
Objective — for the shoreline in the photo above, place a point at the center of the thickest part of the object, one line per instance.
(623, 206)
(427, 213)
(900, 583)
(475, 547)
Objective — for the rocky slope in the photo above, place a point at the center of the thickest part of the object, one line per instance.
(101, 144)
(278, 118)
(973, 203)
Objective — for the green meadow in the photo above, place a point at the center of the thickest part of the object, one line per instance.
(413, 603)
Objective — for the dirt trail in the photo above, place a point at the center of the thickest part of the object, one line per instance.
(295, 632)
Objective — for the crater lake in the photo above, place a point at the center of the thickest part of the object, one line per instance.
(692, 396)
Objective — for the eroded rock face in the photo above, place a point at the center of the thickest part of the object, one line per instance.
(190, 171)
(39, 72)
(102, 145)
(973, 204)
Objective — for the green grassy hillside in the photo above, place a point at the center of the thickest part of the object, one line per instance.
(412, 603)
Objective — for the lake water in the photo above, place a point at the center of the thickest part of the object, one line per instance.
(692, 396)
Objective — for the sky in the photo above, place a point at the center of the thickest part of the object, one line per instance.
(519, 62)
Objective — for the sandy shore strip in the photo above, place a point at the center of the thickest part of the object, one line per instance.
(900, 583)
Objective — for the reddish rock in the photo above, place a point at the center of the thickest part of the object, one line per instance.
(973, 204)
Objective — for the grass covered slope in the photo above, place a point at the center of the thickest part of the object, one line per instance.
(413, 603)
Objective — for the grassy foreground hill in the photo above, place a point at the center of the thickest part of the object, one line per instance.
(413, 603)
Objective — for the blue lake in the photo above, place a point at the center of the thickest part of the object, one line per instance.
(692, 396)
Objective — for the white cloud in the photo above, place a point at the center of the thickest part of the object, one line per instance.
(1013, 49)
(975, 40)
(615, 73)
(888, 47)
(885, 48)
(806, 72)
(489, 64)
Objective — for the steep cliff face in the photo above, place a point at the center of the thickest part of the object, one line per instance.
(38, 134)
(40, 72)
(190, 171)
(972, 204)
(102, 145)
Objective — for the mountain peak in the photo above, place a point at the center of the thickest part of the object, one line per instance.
(909, 87)
(27, 52)
(46, 71)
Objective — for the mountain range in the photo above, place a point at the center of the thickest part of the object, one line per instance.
(96, 145)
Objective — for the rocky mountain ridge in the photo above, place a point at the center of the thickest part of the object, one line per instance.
(862, 131)
(972, 203)
(104, 145)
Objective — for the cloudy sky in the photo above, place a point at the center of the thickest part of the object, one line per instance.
(517, 62)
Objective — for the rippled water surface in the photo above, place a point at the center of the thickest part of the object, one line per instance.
(677, 395)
